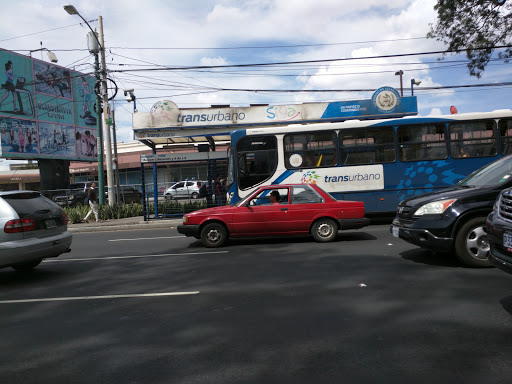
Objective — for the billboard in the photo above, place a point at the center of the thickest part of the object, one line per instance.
(46, 111)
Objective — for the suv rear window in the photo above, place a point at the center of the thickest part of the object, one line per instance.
(27, 203)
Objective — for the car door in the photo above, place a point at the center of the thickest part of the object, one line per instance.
(305, 204)
(178, 189)
(258, 217)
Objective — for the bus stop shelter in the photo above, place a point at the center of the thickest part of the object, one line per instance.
(168, 128)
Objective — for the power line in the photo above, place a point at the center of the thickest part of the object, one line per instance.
(269, 46)
(502, 84)
(166, 68)
(47, 30)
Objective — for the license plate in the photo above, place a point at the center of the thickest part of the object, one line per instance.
(50, 223)
(507, 241)
(395, 231)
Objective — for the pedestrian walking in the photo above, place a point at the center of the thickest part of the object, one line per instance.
(93, 202)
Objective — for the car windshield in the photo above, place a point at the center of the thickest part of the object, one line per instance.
(491, 175)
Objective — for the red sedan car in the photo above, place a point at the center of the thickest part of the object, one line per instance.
(276, 210)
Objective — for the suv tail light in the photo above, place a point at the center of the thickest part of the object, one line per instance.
(20, 225)
(65, 219)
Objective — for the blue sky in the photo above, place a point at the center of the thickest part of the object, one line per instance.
(227, 32)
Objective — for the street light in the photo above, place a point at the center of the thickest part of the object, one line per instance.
(72, 11)
(400, 73)
(130, 96)
(414, 82)
(100, 74)
(51, 56)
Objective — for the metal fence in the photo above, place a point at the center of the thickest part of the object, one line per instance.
(182, 196)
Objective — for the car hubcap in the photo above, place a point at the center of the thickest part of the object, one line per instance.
(324, 230)
(214, 236)
(477, 243)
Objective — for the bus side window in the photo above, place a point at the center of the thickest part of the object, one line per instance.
(367, 146)
(476, 138)
(505, 129)
(313, 150)
(422, 142)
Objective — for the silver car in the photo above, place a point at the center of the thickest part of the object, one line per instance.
(184, 189)
(32, 228)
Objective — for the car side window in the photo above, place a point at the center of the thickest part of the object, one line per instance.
(305, 195)
(263, 198)
(190, 183)
(179, 185)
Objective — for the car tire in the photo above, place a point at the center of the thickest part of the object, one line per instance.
(27, 266)
(324, 230)
(471, 244)
(194, 195)
(213, 235)
(168, 197)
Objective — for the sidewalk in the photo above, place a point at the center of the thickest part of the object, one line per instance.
(129, 223)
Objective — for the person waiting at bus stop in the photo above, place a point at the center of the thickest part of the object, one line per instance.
(220, 191)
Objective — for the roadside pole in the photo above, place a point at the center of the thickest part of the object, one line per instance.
(99, 138)
(107, 118)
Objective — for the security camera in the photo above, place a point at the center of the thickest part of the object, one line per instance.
(129, 99)
(127, 91)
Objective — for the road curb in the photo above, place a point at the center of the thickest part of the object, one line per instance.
(143, 225)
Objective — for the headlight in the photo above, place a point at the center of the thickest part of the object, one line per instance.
(185, 219)
(434, 208)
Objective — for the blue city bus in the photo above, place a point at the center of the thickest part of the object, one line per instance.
(380, 162)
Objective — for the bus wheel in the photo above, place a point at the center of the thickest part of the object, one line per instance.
(324, 230)
(213, 235)
(471, 244)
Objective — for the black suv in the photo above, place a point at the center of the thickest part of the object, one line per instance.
(499, 231)
(128, 194)
(455, 218)
(74, 195)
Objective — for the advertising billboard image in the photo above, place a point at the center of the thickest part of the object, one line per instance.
(46, 111)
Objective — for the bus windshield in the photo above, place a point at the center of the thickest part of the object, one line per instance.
(256, 158)
(493, 174)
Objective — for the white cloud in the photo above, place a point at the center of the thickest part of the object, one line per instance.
(435, 112)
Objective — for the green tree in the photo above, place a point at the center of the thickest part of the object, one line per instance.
(476, 26)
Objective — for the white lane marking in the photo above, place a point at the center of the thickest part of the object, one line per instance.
(132, 257)
(151, 238)
(99, 297)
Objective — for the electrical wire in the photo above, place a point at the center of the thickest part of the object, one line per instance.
(271, 46)
(47, 30)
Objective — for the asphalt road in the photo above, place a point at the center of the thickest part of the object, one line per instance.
(151, 306)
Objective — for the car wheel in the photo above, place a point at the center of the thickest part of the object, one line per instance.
(213, 235)
(27, 266)
(194, 195)
(168, 197)
(471, 243)
(324, 230)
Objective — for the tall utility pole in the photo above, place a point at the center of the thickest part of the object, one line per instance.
(93, 49)
(99, 138)
(107, 119)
